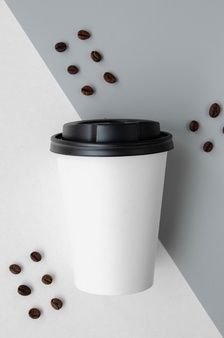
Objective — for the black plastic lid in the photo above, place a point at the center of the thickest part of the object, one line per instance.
(111, 137)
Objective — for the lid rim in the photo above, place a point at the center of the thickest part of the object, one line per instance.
(163, 143)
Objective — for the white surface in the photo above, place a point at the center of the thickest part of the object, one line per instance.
(113, 209)
(32, 108)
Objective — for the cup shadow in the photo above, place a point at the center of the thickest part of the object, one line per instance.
(176, 181)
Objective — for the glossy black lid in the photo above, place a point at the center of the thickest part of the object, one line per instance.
(111, 137)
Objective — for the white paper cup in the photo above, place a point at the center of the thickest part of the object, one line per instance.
(112, 206)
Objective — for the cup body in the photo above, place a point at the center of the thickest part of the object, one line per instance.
(113, 206)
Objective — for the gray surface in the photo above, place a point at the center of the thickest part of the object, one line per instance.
(168, 56)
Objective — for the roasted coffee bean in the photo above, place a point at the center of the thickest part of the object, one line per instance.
(214, 110)
(194, 125)
(47, 279)
(96, 56)
(34, 313)
(60, 47)
(56, 303)
(87, 90)
(35, 256)
(72, 69)
(208, 146)
(83, 34)
(109, 77)
(24, 290)
(15, 268)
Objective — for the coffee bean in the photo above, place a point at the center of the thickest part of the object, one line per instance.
(34, 313)
(96, 56)
(47, 279)
(24, 290)
(214, 110)
(109, 77)
(15, 268)
(72, 69)
(56, 303)
(35, 256)
(208, 146)
(194, 125)
(83, 34)
(87, 90)
(60, 47)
